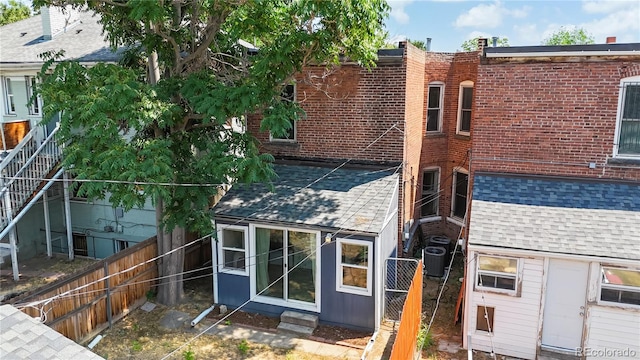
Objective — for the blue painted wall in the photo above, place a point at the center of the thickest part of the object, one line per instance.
(566, 193)
(233, 290)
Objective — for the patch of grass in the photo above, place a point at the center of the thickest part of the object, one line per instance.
(243, 347)
(227, 322)
(136, 345)
(188, 354)
(151, 295)
(425, 339)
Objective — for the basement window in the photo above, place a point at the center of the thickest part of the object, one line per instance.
(497, 273)
(620, 286)
(484, 318)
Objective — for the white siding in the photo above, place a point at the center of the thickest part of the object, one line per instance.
(613, 329)
(516, 318)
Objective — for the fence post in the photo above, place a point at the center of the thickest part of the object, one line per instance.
(106, 284)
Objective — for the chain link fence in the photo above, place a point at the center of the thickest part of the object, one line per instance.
(398, 274)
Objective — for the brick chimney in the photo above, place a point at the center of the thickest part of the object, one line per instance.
(611, 39)
(482, 43)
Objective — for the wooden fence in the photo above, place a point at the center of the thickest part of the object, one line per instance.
(404, 346)
(81, 306)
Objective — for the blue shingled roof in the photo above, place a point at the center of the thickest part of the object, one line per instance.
(343, 199)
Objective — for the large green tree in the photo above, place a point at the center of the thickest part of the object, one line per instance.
(472, 44)
(569, 36)
(13, 11)
(161, 117)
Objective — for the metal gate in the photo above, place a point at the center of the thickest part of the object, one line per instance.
(398, 274)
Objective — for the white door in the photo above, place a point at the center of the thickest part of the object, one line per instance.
(565, 298)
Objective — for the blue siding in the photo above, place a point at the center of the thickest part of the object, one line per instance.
(356, 311)
(233, 290)
(557, 193)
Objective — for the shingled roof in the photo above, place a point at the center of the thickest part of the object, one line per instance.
(22, 41)
(23, 337)
(345, 199)
(595, 232)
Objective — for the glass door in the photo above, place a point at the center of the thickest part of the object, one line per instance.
(285, 265)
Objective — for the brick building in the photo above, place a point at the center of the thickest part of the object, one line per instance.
(554, 246)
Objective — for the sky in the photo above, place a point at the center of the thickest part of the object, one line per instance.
(450, 22)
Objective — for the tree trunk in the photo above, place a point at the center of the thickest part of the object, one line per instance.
(170, 267)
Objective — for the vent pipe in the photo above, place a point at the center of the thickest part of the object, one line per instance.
(494, 41)
(428, 44)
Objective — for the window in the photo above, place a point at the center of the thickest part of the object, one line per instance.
(121, 245)
(355, 261)
(232, 249)
(10, 105)
(34, 107)
(430, 192)
(628, 126)
(80, 244)
(288, 95)
(620, 286)
(459, 192)
(484, 318)
(434, 107)
(497, 272)
(464, 107)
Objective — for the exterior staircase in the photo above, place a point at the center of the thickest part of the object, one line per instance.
(23, 179)
(297, 323)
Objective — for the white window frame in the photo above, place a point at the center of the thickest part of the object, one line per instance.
(616, 287)
(484, 287)
(9, 98)
(623, 83)
(464, 85)
(437, 192)
(340, 287)
(293, 123)
(35, 108)
(251, 264)
(120, 245)
(221, 259)
(440, 85)
(454, 181)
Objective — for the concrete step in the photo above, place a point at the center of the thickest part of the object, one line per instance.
(295, 329)
(296, 318)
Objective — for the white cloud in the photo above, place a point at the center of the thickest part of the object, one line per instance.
(526, 34)
(489, 15)
(620, 19)
(607, 6)
(398, 10)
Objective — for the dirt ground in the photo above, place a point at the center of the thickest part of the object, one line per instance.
(37, 271)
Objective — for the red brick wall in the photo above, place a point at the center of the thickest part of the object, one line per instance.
(550, 118)
(415, 94)
(446, 150)
(345, 112)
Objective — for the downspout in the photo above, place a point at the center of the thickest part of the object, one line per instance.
(369, 346)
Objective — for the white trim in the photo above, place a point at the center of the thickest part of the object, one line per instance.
(464, 85)
(541, 254)
(429, 219)
(440, 107)
(29, 80)
(565, 53)
(616, 288)
(214, 266)
(454, 180)
(295, 304)
(340, 287)
(616, 140)
(483, 288)
(437, 190)
(9, 98)
(222, 261)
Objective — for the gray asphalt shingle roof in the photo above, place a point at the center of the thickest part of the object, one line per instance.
(596, 232)
(22, 337)
(345, 199)
(84, 41)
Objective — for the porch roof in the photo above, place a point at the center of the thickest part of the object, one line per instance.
(22, 42)
(594, 232)
(345, 199)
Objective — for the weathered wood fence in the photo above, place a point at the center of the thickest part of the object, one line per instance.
(81, 306)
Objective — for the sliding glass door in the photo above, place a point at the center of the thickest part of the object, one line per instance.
(285, 265)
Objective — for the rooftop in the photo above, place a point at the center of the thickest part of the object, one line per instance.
(346, 199)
